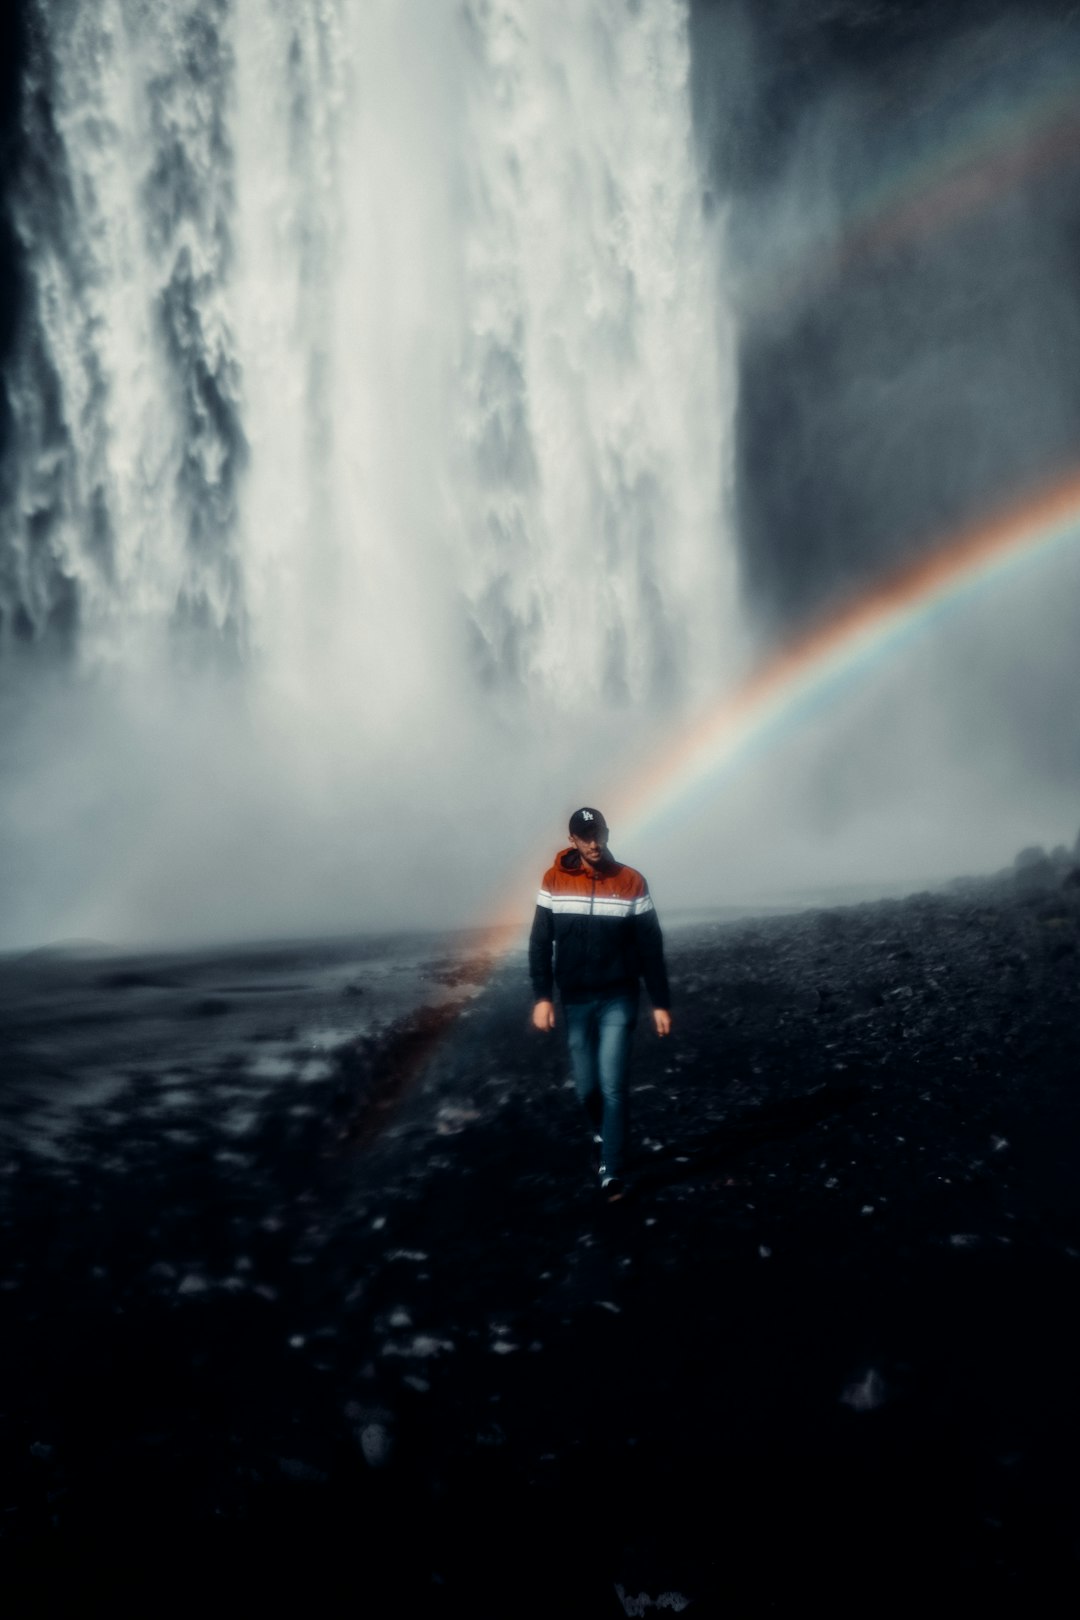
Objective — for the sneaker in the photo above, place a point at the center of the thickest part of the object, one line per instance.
(597, 1153)
(612, 1187)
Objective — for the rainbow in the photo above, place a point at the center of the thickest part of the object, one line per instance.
(993, 150)
(826, 658)
(804, 676)
(770, 703)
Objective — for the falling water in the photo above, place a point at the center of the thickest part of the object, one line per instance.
(370, 417)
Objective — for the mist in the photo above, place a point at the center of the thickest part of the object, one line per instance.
(417, 416)
(368, 473)
(902, 269)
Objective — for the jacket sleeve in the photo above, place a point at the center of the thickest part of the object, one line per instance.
(541, 940)
(650, 950)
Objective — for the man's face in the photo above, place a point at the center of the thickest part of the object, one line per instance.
(592, 847)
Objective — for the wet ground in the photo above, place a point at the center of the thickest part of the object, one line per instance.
(339, 1319)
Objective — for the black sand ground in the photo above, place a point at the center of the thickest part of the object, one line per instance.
(402, 1359)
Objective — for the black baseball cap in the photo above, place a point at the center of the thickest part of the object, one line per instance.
(587, 822)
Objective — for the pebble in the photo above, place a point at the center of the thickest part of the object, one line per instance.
(867, 1393)
(376, 1443)
(422, 1345)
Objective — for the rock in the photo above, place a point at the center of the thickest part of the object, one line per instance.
(867, 1393)
(424, 1344)
(377, 1444)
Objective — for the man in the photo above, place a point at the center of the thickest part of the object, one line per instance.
(600, 919)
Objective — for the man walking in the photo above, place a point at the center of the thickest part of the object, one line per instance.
(599, 917)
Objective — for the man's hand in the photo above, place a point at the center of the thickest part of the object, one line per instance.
(544, 1015)
(662, 1020)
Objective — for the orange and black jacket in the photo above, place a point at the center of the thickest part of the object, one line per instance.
(604, 930)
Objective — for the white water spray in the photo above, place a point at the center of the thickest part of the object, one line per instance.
(375, 362)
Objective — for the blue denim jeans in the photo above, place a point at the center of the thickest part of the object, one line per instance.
(598, 1034)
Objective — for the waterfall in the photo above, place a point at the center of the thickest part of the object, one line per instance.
(374, 356)
(125, 389)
